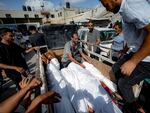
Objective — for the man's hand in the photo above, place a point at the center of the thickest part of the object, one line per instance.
(36, 48)
(27, 82)
(82, 65)
(46, 98)
(24, 83)
(128, 67)
(19, 69)
(49, 98)
(35, 82)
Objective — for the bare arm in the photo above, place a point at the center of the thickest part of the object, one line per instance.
(11, 103)
(73, 60)
(46, 98)
(31, 49)
(144, 51)
(128, 67)
(84, 57)
(98, 41)
(5, 66)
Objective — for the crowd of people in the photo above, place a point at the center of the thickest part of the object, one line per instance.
(130, 50)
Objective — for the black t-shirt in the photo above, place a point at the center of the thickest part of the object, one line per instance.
(12, 55)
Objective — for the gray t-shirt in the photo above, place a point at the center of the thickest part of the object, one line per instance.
(93, 36)
(74, 51)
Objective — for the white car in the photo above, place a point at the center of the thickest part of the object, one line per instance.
(106, 36)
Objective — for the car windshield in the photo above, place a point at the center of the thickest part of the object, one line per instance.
(107, 35)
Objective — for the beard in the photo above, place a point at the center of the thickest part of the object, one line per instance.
(116, 9)
(91, 30)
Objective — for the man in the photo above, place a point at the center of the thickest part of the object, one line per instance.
(118, 42)
(93, 37)
(72, 52)
(134, 67)
(37, 39)
(11, 59)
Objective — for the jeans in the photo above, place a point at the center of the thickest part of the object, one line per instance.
(125, 83)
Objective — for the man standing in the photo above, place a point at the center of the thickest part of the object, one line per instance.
(72, 52)
(118, 42)
(134, 67)
(11, 59)
(37, 39)
(93, 37)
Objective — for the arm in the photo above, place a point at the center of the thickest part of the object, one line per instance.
(144, 50)
(98, 41)
(5, 66)
(11, 103)
(125, 48)
(72, 59)
(84, 57)
(128, 67)
(46, 98)
(31, 49)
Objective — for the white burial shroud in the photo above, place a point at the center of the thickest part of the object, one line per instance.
(56, 83)
(79, 89)
(99, 76)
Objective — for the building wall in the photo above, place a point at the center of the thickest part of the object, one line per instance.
(20, 14)
(11, 17)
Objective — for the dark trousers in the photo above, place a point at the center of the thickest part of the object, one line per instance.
(125, 83)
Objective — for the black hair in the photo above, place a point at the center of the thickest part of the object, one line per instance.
(118, 23)
(3, 31)
(31, 28)
(73, 34)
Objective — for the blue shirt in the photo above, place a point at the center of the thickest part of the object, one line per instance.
(135, 16)
(118, 43)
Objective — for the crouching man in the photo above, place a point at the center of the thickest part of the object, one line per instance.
(73, 52)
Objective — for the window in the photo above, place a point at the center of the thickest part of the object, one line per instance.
(36, 16)
(26, 16)
(8, 15)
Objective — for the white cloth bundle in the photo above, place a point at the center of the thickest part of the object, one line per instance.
(89, 90)
(79, 89)
(56, 83)
(98, 75)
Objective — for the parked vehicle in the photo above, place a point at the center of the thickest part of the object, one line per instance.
(106, 37)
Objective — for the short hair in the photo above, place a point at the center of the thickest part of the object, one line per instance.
(31, 28)
(73, 34)
(90, 21)
(118, 23)
(3, 31)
